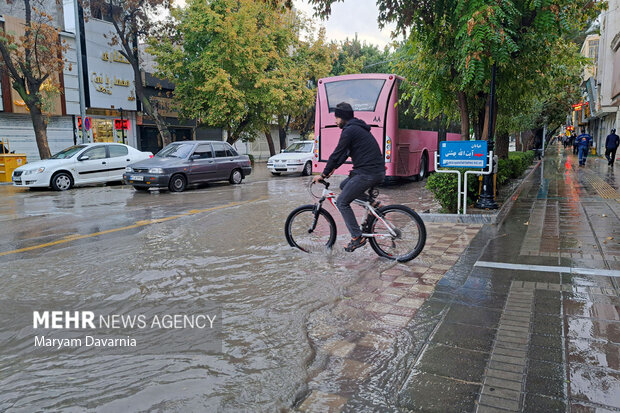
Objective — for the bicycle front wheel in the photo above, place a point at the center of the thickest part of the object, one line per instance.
(399, 234)
(308, 231)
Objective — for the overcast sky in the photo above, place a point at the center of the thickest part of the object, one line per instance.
(347, 18)
(350, 17)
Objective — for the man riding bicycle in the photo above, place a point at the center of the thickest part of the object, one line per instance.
(356, 142)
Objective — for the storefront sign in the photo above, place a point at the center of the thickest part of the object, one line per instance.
(121, 124)
(110, 77)
(463, 154)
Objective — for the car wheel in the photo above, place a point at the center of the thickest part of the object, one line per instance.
(141, 188)
(275, 173)
(177, 183)
(236, 177)
(307, 169)
(62, 181)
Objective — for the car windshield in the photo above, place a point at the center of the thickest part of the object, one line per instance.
(361, 94)
(69, 152)
(175, 150)
(299, 147)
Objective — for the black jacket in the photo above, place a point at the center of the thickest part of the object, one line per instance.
(357, 142)
(612, 141)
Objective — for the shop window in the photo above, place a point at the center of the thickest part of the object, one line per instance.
(103, 130)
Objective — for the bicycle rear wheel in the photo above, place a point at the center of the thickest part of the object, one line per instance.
(410, 233)
(309, 233)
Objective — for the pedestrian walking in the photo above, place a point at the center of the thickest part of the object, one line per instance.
(611, 145)
(584, 141)
(575, 145)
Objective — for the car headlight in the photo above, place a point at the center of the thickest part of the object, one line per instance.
(156, 171)
(34, 171)
(128, 169)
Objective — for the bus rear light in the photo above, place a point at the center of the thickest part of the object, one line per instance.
(388, 152)
(387, 157)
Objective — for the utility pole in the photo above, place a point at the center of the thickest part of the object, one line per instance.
(487, 196)
(78, 48)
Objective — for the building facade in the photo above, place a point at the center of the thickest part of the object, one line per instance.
(601, 82)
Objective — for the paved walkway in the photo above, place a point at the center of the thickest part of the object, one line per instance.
(527, 319)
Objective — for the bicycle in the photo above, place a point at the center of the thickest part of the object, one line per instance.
(394, 231)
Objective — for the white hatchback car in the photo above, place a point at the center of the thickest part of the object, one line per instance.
(296, 158)
(77, 165)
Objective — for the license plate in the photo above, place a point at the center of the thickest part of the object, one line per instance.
(136, 178)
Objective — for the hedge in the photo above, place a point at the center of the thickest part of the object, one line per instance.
(443, 185)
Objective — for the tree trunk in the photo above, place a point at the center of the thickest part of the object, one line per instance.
(464, 112)
(502, 142)
(282, 132)
(39, 124)
(152, 111)
(272, 148)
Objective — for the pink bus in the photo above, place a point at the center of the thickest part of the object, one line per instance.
(408, 144)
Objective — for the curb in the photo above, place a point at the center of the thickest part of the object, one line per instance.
(493, 219)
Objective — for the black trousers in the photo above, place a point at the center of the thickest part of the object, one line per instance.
(353, 188)
(610, 155)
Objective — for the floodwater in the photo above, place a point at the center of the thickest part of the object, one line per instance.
(229, 249)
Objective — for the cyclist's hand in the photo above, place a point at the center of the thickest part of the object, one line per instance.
(317, 178)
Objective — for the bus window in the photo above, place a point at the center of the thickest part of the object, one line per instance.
(361, 94)
(407, 119)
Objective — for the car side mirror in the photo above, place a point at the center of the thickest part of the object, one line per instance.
(84, 158)
(281, 150)
(191, 158)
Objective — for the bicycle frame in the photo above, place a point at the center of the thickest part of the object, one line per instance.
(368, 209)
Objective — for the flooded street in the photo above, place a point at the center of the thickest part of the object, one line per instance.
(110, 243)
(520, 316)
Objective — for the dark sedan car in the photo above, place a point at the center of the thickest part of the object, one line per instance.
(189, 162)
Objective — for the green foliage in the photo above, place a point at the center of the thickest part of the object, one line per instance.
(444, 187)
(237, 64)
(360, 57)
(514, 166)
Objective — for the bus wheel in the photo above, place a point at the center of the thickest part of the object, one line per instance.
(423, 167)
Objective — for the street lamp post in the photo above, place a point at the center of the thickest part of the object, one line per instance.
(487, 197)
(122, 126)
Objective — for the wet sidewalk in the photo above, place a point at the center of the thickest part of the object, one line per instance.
(527, 319)
(530, 321)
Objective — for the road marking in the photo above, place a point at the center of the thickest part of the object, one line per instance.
(547, 268)
(138, 224)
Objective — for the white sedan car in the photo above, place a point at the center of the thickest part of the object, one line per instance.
(296, 158)
(77, 165)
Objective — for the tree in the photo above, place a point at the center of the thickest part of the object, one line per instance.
(316, 57)
(453, 45)
(33, 60)
(232, 64)
(134, 20)
(360, 57)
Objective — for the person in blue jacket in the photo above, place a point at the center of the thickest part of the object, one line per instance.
(611, 145)
(584, 141)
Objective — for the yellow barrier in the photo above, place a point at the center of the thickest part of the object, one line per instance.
(9, 161)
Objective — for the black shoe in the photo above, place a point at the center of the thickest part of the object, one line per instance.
(355, 244)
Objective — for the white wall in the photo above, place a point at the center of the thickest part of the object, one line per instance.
(70, 75)
(20, 133)
(610, 25)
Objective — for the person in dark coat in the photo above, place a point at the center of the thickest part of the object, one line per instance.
(611, 145)
(368, 171)
(584, 141)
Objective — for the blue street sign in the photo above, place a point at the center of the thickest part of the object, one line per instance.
(463, 154)
(88, 123)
